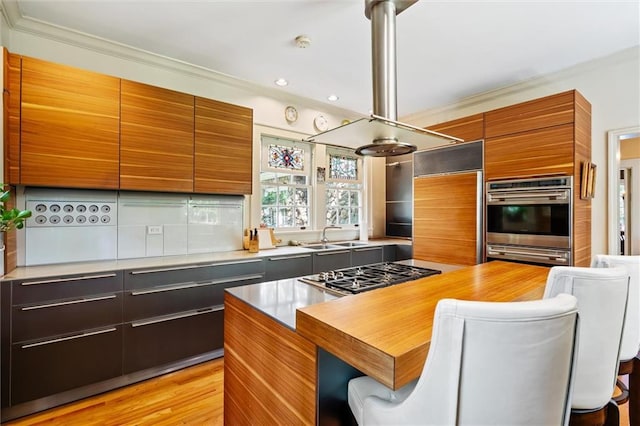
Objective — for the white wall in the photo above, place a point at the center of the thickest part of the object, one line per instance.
(610, 84)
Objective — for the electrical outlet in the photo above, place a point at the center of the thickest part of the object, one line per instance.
(154, 229)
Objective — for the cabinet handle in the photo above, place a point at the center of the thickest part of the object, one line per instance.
(193, 284)
(70, 302)
(298, 256)
(333, 252)
(367, 248)
(176, 316)
(64, 280)
(63, 339)
(180, 268)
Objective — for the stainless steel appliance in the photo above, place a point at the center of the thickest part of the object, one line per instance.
(529, 220)
(358, 279)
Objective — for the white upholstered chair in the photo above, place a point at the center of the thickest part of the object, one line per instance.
(488, 363)
(602, 299)
(629, 361)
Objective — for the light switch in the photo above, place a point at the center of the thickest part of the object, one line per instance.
(154, 229)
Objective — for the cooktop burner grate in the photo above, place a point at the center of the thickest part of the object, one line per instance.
(368, 277)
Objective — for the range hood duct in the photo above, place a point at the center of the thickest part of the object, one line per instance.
(388, 136)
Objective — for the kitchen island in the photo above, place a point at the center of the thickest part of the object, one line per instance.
(277, 371)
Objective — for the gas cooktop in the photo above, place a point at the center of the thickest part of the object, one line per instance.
(368, 277)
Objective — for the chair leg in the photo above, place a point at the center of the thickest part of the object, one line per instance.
(613, 414)
(634, 393)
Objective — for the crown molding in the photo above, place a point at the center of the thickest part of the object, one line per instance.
(18, 23)
(475, 103)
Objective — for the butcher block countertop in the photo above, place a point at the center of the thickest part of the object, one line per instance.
(386, 333)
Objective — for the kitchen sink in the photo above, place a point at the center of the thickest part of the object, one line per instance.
(322, 246)
(351, 244)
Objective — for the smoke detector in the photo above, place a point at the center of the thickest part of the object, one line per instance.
(302, 41)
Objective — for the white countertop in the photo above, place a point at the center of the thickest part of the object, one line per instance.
(30, 272)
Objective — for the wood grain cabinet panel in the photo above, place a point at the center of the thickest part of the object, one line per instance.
(12, 65)
(535, 153)
(223, 147)
(156, 138)
(549, 111)
(469, 128)
(446, 231)
(69, 126)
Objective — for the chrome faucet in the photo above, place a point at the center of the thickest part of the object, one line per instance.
(324, 239)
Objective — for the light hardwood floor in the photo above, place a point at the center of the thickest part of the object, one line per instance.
(193, 396)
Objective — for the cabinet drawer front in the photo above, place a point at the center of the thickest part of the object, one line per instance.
(67, 287)
(331, 261)
(48, 367)
(278, 268)
(174, 275)
(164, 300)
(366, 255)
(36, 321)
(163, 340)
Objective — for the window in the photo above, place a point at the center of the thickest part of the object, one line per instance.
(285, 183)
(343, 188)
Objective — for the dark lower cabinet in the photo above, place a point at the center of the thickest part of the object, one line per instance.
(162, 340)
(366, 255)
(281, 267)
(331, 260)
(45, 367)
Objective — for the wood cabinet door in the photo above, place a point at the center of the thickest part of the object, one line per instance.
(535, 153)
(69, 126)
(469, 128)
(156, 139)
(223, 148)
(445, 218)
(539, 113)
(12, 65)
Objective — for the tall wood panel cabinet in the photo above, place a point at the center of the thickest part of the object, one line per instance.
(470, 128)
(156, 138)
(223, 147)
(12, 67)
(69, 126)
(546, 136)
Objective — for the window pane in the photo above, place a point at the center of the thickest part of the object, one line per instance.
(267, 177)
(302, 216)
(355, 215)
(285, 217)
(332, 217)
(285, 196)
(299, 180)
(343, 216)
(268, 216)
(268, 195)
(283, 157)
(355, 196)
(343, 198)
(301, 197)
(332, 198)
(342, 167)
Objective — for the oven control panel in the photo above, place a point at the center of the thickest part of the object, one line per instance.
(71, 213)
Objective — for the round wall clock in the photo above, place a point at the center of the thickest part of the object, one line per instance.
(321, 124)
(290, 114)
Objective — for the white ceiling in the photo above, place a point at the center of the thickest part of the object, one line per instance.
(446, 50)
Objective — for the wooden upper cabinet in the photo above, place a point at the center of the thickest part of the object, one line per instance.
(12, 65)
(69, 126)
(444, 231)
(223, 147)
(549, 111)
(156, 139)
(469, 128)
(535, 153)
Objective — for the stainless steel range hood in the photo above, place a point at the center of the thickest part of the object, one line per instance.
(380, 134)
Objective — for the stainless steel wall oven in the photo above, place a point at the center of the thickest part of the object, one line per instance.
(529, 220)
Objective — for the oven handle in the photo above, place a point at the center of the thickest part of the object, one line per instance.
(510, 196)
(527, 253)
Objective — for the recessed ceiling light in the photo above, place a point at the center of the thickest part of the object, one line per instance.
(333, 98)
(281, 82)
